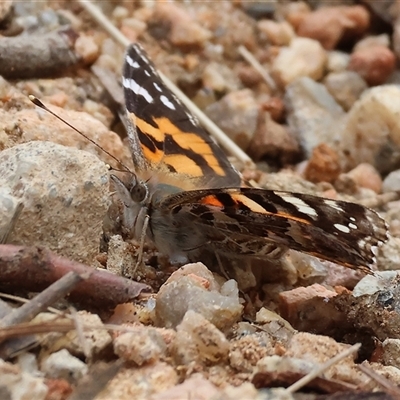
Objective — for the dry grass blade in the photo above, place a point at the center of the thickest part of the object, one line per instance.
(5, 234)
(39, 303)
(26, 329)
(230, 146)
(257, 66)
(47, 54)
(19, 299)
(80, 332)
(388, 386)
(313, 374)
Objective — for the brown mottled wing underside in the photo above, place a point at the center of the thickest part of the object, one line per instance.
(338, 231)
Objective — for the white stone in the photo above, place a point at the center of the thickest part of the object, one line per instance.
(65, 366)
(372, 131)
(304, 57)
(313, 114)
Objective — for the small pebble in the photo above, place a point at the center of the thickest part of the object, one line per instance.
(319, 349)
(346, 87)
(120, 12)
(392, 182)
(198, 340)
(371, 133)
(18, 385)
(193, 287)
(274, 142)
(141, 345)
(276, 108)
(87, 49)
(372, 41)
(219, 78)
(277, 33)
(366, 176)
(303, 57)
(374, 64)
(323, 165)
(313, 114)
(140, 383)
(391, 352)
(329, 25)
(236, 114)
(96, 340)
(372, 284)
(184, 29)
(63, 365)
(338, 61)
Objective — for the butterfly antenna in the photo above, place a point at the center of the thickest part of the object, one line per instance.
(38, 103)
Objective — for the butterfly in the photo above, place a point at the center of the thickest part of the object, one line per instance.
(187, 198)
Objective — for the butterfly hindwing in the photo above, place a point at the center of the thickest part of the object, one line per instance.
(342, 232)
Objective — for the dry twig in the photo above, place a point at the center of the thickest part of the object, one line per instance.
(42, 56)
(46, 298)
(257, 66)
(5, 234)
(80, 332)
(386, 385)
(33, 269)
(313, 374)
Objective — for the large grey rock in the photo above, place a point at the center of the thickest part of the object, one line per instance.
(313, 114)
(65, 193)
(372, 130)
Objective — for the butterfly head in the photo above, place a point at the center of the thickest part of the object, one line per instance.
(134, 193)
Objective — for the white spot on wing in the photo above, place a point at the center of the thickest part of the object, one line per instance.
(194, 121)
(137, 89)
(131, 62)
(333, 204)
(342, 228)
(353, 226)
(157, 86)
(167, 102)
(300, 205)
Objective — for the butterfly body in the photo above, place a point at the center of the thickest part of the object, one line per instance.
(187, 198)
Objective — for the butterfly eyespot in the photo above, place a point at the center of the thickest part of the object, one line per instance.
(138, 192)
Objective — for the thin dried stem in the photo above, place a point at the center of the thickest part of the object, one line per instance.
(313, 374)
(56, 325)
(80, 331)
(388, 386)
(54, 292)
(257, 66)
(4, 235)
(230, 146)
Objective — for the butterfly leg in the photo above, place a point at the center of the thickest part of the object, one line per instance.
(139, 261)
(221, 267)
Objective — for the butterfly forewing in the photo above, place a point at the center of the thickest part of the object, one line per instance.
(168, 136)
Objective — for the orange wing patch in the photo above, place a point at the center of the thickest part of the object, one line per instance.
(185, 140)
(212, 201)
